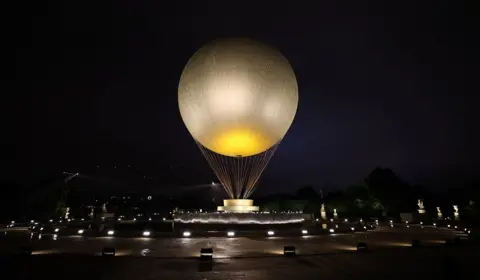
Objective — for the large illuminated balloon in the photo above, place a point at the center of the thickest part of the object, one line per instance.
(237, 97)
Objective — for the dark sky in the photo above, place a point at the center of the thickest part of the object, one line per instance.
(379, 85)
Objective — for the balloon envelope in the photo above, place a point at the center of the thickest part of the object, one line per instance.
(237, 97)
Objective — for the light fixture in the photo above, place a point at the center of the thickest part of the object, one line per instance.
(448, 226)
(149, 219)
(346, 220)
(270, 232)
(206, 253)
(331, 230)
(41, 228)
(289, 251)
(186, 234)
(110, 232)
(415, 243)
(57, 229)
(108, 251)
(231, 233)
(434, 224)
(353, 229)
(364, 227)
(55, 237)
(146, 233)
(362, 246)
(80, 231)
(421, 223)
(455, 226)
(304, 231)
(391, 221)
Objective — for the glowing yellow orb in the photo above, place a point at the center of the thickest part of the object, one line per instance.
(237, 97)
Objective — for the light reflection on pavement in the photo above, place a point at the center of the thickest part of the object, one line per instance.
(224, 247)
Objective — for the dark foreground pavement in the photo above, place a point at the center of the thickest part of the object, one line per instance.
(402, 263)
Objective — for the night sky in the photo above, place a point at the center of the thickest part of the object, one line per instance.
(389, 86)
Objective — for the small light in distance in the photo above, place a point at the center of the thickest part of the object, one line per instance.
(149, 219)
(352, 228)
(186, 234)
(364, 227)
(41, 228)
(134, 219)
(32, 221)
(448, 226)
(331, 230)
(146, 233)
(346, 220)
(80, 231)
(231, 233)
(391, 221)
(455, 226)
(421, 223)
(270, 232)
(316, 220)
(304, 231)
(55, 237)
(434, 224)
(51, 221)
(110, 232)
(361, 220)
(56, 230)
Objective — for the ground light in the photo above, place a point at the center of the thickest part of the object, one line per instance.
(289, 251)
(186, 234)
(108, 251)
(80, 231)
(146, 233)
(231, 234)
(25, 250)
(362, 246)
(206, 253)
(304, 231)
(271, 232)
(110, 232)
(415, 243)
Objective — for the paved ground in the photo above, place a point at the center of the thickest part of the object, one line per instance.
(320, 257)
(381, 238)
(406, 263)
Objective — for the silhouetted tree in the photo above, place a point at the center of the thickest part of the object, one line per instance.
(394, 194)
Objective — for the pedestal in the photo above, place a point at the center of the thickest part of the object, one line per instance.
(238, 206)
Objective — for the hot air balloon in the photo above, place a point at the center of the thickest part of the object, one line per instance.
(238, 98)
